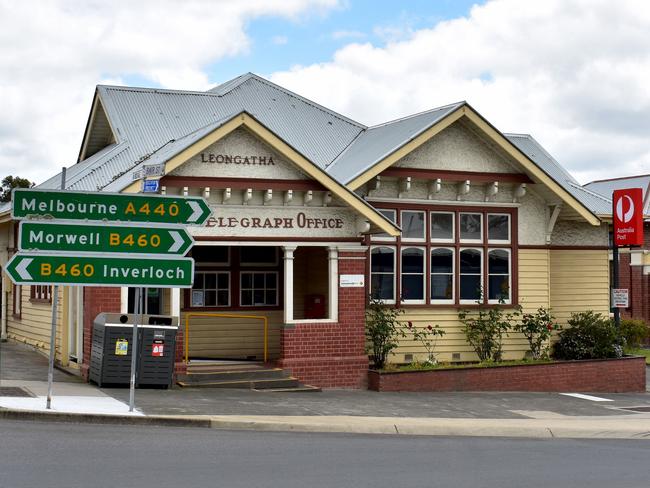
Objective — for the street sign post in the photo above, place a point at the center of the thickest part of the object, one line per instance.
(114, 207)
(97, 270)
(103, 238)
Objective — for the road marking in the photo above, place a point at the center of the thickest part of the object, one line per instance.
(587, 397)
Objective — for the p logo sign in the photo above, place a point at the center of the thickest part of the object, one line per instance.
(628, 217)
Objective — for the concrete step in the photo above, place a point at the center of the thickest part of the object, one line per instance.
(235, 375)
(298, 389)
(260, 384)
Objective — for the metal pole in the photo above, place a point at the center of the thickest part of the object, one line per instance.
(134, 349)
(617, 311)
(55, 301)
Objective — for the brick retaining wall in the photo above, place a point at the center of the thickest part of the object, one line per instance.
(606, 375)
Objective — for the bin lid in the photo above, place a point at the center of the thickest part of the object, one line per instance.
(111, 319)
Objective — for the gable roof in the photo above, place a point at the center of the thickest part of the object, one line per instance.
(596, 203)
(374, 144)
(607, 187)
(154, 125)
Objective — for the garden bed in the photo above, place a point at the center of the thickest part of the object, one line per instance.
(627, 374)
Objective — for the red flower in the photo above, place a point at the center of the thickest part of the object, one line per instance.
(429, 327)
(549, 326)
(409, 324)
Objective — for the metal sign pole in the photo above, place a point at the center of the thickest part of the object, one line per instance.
(134, 349)
(55, 301)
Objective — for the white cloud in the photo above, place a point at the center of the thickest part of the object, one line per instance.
(347, 34)
(574, 73)
(52, 54)
(279, 40)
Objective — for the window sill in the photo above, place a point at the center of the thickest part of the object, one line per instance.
(40, 300)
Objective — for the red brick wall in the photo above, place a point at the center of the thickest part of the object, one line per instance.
(608, 375)
(96, 300)
(331, 354)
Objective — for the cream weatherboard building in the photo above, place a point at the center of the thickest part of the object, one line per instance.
(313, 211)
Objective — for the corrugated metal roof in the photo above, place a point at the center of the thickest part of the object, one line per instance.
(534, 150)
(607, 187)
(377, 142)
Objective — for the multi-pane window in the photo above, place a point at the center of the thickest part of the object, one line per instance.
(498, 275)
(446, 256)
(211, 289)
(413, 275)
(40, 293)
(390, 215)
(413, 225)
(382, 273)
(442, 275)
(258, 288)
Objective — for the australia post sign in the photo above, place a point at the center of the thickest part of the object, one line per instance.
(628, 217)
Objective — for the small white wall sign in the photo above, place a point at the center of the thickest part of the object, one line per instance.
(620, 298)
(351, 281)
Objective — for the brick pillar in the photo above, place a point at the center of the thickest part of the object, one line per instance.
(331, 354)
(96, 300)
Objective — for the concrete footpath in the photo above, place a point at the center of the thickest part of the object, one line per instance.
(23, 388)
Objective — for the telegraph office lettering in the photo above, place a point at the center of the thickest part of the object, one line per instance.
(301, 221)
(230, 159)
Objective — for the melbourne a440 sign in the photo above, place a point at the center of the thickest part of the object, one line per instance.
(139, 251)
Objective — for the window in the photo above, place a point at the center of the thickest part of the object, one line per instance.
(17, 300)
(412, 225)
(412, 275)
(447, 255)
(499, 275)
(471, 267)
(211, 289)
(442, 227)
(382, 273)
(499, 228)
(40, 293)
(471, 227)
(218, 255)
(390, 215)
(442, 275)
(259, 288)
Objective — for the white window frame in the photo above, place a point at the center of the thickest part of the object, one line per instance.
(216, 290)
(445, 301)
(487, 270)
(386, 238)
(393, 300)
(425, 292)
(465, 301)
(460, 235)
(252, 289)
(499, 241)
(453, 227)
(424, 226)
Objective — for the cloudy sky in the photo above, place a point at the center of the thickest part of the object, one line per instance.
(573, 73)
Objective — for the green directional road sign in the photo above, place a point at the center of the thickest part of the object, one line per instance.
(123, 207)
(62, 269)
(101, 238)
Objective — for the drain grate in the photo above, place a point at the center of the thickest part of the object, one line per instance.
(636, 409)
(14, 391)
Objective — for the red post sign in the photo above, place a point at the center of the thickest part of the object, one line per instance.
(628, 217)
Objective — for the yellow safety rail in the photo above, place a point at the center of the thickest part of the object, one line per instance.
(227, 316)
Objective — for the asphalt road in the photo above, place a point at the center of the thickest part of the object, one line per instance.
(34, 454)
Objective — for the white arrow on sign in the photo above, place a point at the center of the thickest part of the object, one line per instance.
(178, 241)
(197, 211)
(21, 269)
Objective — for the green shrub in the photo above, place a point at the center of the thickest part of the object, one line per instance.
(382, 330)
(537, 328)
(635, 332)
(589, 335)
(485, 328)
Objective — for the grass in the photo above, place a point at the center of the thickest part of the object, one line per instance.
(484, 364)
(641, 352)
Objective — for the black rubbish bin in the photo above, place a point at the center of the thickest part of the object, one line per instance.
(112, 346)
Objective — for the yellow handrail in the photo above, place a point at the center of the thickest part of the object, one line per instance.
(227, 316)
